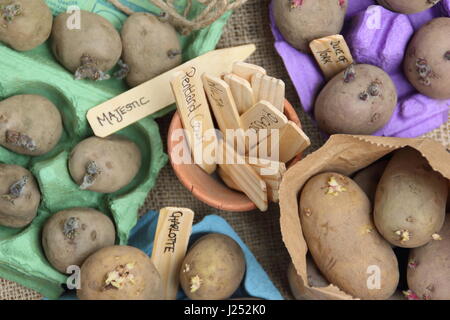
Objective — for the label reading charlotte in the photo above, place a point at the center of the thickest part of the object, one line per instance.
(174, 229)
(118, 114)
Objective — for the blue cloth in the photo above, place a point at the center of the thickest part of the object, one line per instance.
(256, 282)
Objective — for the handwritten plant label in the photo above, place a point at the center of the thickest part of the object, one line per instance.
(263, 115)
(156, 94)
(170, 246)
(193, 108)
(332, 54)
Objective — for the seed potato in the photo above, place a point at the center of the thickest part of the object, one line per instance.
(213, 268)
(368, 178)
(25, 24)
(300, 22)
(427, 59)
(408, 6)
(345, 245)
(150, 47)
(120, 273)
(88, 50)
(29, 124)
(410, 200)
(429, 267)
(19, 196)
(359, 100)
(104, 165)
(70, 236)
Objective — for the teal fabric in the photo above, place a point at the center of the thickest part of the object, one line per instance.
(37, 72)
(256, 282)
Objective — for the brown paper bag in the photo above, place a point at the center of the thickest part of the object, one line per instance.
(344, 154)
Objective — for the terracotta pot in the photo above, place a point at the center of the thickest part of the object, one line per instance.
(209, 188)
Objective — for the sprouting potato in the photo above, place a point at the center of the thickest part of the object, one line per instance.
(120, 273)
(213, 268)
(408, 6)
(301, 21)
(88, 50)
(70, 236)
(337, 225)
(410, 200)
(19, 196)
(104, 165)
(29, 124)
(429, 267)
(368, 178)
(359, 100)
(150, 47)
(427, 59)
(24, 24)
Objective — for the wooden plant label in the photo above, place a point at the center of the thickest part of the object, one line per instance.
(269, 89)
(222, 103)
(292, 141)
(263, 115)
(156, 94)
(332, 54)
(247, 70)
(193, 109)
(242, 92)
(243, 176)
(170, 246)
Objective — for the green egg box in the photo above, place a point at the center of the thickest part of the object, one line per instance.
(37, 72)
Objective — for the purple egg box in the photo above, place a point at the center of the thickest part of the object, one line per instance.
(378, 37)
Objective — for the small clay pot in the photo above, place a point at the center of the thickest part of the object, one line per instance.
(209, 189)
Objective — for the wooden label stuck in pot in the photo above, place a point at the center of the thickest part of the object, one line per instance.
(193, 108)
(170, 246)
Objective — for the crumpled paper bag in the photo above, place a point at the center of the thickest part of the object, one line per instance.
(379, 37)
(344, 154)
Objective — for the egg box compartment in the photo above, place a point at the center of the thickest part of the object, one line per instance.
(378, 37)
(256, 282)
(37, 72)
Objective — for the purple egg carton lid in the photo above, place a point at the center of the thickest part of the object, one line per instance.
(378, 37)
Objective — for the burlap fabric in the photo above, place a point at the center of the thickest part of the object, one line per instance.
(260, 231)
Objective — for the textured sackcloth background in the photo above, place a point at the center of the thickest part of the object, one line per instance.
(260, 231)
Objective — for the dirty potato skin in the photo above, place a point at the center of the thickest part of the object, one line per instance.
(70, 236)
(150, 47)
(120, 273)
(368, 178)
(19, 209)
(117, 160)
(300, 22)
(342, 239)
(410, 200)
(97, 39)
(359, 100)
(429, 267)
(408, 6)
(30, 28)
(213, 268)
(427, 59)
(29, 124)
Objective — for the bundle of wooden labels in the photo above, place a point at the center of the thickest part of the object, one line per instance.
(254, 140)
